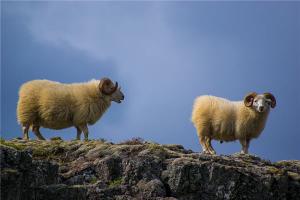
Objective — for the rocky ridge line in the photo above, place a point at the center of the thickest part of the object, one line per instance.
(138, 170)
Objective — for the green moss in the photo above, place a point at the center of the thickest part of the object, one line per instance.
(56, 139)
(93, 180)
(9, 171)
(274, 170)
(12, 144)
(156, 148)
(40, 152)
(116, 182)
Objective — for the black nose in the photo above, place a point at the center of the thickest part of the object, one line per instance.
(261, 108)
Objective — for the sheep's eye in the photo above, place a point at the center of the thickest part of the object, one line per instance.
(255, 100)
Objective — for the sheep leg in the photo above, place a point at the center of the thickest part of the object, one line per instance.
(78, 133)
(202, 141)
(25, 132)
(85, 131)
(201, 131)
(245, 145)
(36, 130)
(209, 147)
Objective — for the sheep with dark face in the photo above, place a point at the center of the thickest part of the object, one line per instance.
(54, 105)
(220, 119)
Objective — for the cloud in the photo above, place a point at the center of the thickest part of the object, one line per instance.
(132, 34)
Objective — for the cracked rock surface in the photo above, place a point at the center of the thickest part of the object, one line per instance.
(136, 169)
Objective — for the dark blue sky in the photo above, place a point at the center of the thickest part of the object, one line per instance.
(163, 54)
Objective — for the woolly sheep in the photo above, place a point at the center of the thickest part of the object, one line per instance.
(220, 119)
(54, 105)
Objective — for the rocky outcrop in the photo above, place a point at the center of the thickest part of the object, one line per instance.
(138, 170)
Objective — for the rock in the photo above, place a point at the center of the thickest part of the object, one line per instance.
(60, 191)
(20, 175)
(138, 170)
(150, 189)
(56, 139)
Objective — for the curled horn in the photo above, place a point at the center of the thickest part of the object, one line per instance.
(104, 82)
(116, 86)
(272, 98)
(248, 100)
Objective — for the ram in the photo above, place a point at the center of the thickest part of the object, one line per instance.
(217, 118)
(54, 105)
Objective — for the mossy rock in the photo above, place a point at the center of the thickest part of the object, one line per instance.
(116, 182)
(275, 170)
(17, 146)
(157, 149)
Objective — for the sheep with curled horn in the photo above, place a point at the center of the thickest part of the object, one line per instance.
(54, 105)
(217, 118)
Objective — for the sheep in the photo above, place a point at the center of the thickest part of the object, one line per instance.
(220, 119)
(54, 105)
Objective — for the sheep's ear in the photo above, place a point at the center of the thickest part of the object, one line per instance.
(248, 100)
(272, 98)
